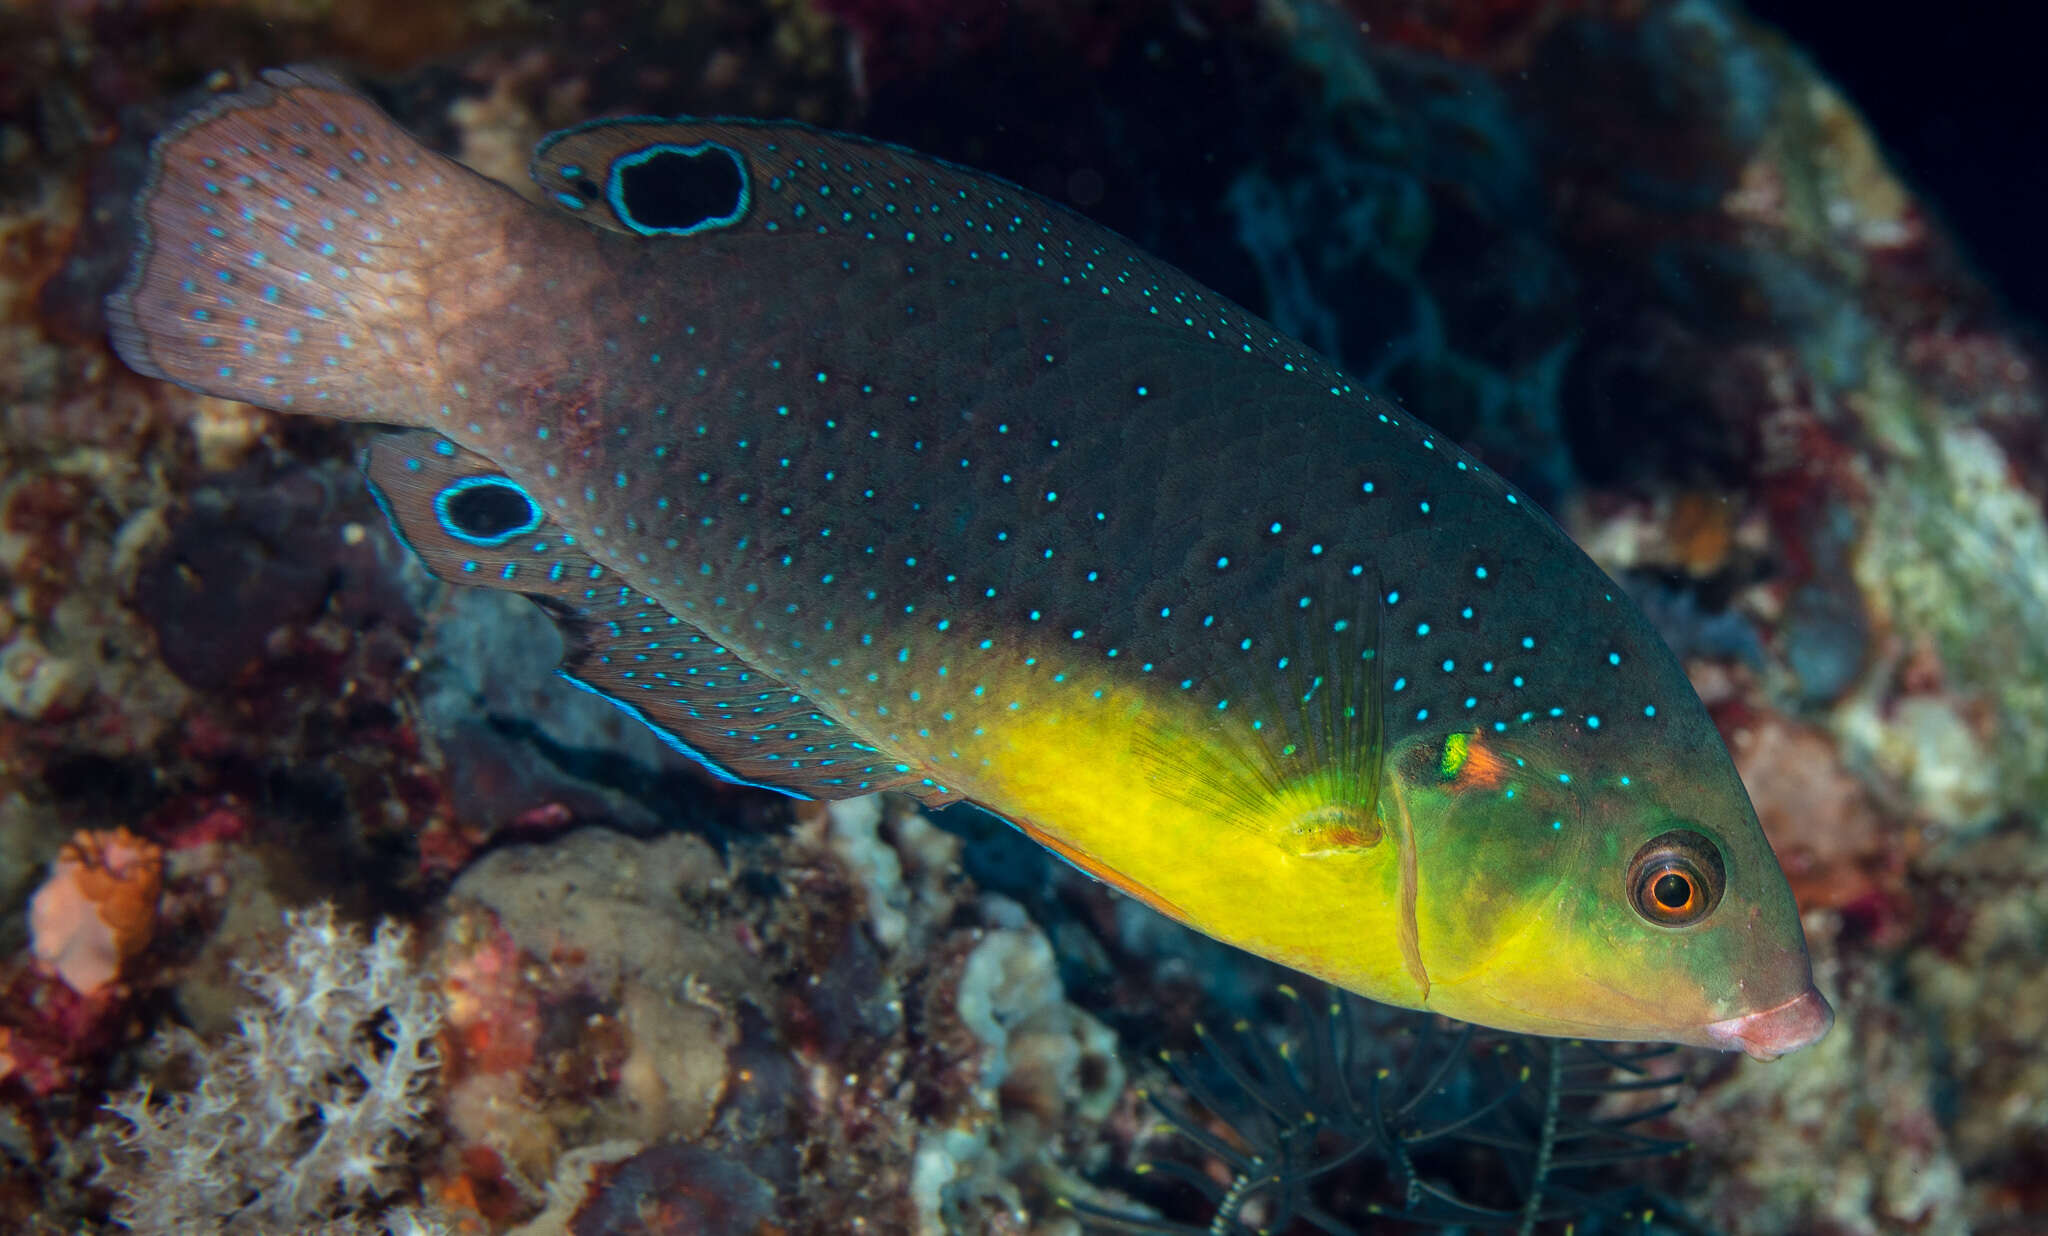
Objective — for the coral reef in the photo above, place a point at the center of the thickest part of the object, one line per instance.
(895, 1040)
(301, 1121)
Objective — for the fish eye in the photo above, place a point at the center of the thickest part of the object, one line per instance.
(1676, 879)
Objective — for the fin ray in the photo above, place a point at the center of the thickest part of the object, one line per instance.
(1306, 766)
(283, 228)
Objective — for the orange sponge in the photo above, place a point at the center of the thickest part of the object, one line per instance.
(98, 908)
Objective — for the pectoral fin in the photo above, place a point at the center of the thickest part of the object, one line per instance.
(1296, 757)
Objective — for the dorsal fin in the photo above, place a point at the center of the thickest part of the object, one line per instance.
(646, 177)
(471, 524)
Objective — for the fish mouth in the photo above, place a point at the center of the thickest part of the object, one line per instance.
(1771, 1033)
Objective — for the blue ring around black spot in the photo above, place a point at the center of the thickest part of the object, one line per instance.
(534, 514)
(614, 187)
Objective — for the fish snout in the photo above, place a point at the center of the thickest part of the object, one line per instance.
(1771, 1033)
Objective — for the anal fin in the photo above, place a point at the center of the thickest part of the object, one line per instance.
(469, 523)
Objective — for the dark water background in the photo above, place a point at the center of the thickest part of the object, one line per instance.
(1956, 99)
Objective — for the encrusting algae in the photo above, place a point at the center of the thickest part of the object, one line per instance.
(846, 470)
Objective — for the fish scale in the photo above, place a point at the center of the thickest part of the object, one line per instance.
(845, 469)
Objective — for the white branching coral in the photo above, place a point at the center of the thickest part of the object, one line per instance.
(301, 1121)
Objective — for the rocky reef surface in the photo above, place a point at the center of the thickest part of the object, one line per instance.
(1639, 257)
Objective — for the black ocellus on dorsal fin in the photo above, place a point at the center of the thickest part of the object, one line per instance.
(469, 523)
(646, 176)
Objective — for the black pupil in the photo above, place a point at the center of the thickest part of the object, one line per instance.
(489, 510)
(1672, 890)
(676, 190)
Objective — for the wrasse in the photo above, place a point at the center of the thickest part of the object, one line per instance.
(848, 470)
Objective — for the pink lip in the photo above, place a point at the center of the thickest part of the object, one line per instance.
(1771, 1033)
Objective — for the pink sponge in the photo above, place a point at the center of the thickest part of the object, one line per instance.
(98, 908)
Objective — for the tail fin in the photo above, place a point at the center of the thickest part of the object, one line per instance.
(291, 239)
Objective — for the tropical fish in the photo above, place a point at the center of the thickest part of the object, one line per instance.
(846, 469)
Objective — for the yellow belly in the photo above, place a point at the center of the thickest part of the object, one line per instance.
(1086, 768)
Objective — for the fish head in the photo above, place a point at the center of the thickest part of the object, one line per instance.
(1570, 887)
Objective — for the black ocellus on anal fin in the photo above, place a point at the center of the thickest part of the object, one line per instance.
(469, 523)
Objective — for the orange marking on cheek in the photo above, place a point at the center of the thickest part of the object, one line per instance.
(1483, 769)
